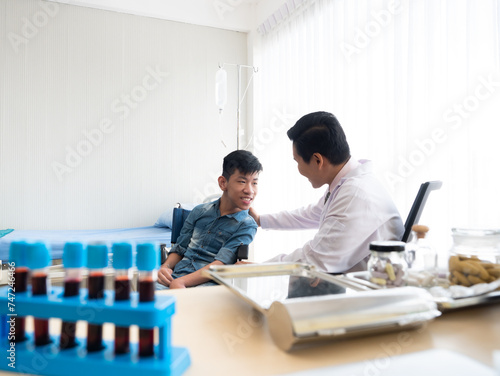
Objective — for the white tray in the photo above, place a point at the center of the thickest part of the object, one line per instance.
(443, 303)
(305, 306)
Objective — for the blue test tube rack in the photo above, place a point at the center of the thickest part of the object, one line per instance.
(50, 360)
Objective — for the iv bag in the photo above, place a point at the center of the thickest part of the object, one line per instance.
(221, 88)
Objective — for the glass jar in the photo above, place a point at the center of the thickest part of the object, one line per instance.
(387, 266)
(422, 259)
(474, 256)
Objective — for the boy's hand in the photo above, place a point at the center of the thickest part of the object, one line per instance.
(165, 275)
(177, 284)
(243, 262)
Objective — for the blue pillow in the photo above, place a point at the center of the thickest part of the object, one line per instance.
(165, 219)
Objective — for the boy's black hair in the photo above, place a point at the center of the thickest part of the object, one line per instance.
(242, 160)
(320, 132)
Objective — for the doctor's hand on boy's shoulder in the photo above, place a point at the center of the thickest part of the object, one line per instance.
(254, 215)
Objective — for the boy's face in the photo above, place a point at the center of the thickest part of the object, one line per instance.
(240, 189)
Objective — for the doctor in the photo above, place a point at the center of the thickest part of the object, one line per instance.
(354, 211)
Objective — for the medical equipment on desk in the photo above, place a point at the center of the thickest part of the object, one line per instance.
(50, 359)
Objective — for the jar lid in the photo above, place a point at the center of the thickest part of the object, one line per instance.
(387, 246)
(471, 232)
(476, 241)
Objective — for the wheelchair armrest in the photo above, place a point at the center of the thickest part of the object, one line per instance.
(242, 252)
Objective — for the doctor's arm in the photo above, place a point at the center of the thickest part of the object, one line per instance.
(307, 217)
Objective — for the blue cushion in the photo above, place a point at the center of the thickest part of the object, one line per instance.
(165, 219)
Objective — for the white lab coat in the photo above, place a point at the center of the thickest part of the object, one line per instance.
(358, 211)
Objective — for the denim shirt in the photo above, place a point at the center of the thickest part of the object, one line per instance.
(207, 236)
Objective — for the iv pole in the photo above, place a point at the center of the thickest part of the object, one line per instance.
(239, 66)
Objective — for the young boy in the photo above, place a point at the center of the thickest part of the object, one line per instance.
(213, 232)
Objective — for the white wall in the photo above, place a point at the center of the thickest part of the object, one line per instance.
(143, 87)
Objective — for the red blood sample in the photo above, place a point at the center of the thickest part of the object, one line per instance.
(20, 279)
(122, 340)
(122, 334)
(39, 284)
(20, 285)
(20, 329)
(72, 287)
(42, 332)
(67, 338)
(146, 336)
(39, 287)
(122, 288)
(146, 342)
(147, 290)
(94, 337)
(96, 285)
(95, 291)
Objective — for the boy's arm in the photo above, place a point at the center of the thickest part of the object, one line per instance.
(178, 250)
(166, 270)
(244, 235)
(225, 256)
(193, 279)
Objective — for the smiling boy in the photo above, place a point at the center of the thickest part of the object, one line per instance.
(213, 232)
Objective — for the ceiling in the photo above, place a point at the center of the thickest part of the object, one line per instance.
(237, 15)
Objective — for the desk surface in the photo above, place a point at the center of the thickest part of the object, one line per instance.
(225, 336)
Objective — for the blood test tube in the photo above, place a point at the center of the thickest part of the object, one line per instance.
(147, 264)
(17, 260)
(74, 257)
(122, 264)
(38, 259)
(97, 261)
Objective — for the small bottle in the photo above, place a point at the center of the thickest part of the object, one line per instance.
(147, 265)
(74, 257)
(387, 266)
(97, 261)
(422, 259)
(17, 260)
(38, 260)
(122, 264)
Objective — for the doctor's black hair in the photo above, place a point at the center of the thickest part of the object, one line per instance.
(320, 132)
(241, 160)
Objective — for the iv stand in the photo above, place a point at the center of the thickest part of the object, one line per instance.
(239, 66)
